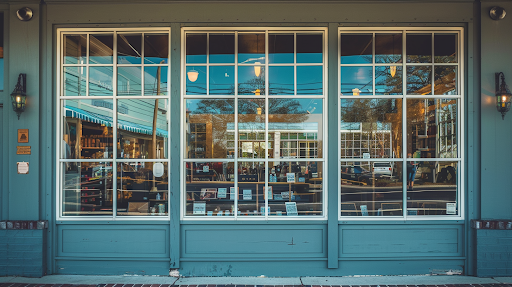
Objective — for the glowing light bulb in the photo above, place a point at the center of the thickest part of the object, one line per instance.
(257, 69)
(392, 70)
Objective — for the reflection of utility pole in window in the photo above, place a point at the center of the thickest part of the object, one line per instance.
(155, 114)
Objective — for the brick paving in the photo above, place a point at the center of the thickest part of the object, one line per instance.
(218, 285)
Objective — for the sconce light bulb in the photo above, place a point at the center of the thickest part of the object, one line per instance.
(18, 99)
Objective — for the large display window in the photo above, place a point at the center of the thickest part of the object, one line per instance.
(113, 123)
(253, 123)
(401, 97)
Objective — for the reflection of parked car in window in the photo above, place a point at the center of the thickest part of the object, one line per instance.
(383, 168)
(357, 174)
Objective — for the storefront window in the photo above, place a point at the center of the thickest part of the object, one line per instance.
(399, 123)
(114, 123)
(254, 124)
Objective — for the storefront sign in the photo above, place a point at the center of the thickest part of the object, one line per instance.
(23, 150)
(22, 167)
(23, 135)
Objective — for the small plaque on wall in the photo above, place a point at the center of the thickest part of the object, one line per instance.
(23, 135)
(22, 167)
(23, 150)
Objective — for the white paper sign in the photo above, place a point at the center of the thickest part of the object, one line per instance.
(291, 208)
(247, 194)
(290, 177)
(451, 208)
(158, 169)
(206, 168)
(199, 207)
(222, 192)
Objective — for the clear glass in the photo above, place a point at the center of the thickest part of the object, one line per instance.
(251, 48)
(371, 128)
(356, 81)
(388, 80)
(142, 189)
(222, 80)
(432, 130)
(129, 48)
(356, 48)
(249, 83)
(196, 48)
(371, 188)
(281, 81)
(207, 126)
(75, 81)
(432, 188)
(156, 48)
(309, 48)
(129, 81)
(87, 129)
(101, 81)
(309, 80)
(289, 118)
(101, 49)
(210, 189)
(75, 49)
(445, 48)
(419, 80)
(388, 48)
(419, 48)
(445, 80)
(155, 80)
(251, 183)
(197, 85)
(221, 48)
(281, 48)
(295, 188)
(251, 128)
(86, 189)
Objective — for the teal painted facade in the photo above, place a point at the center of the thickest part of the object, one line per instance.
(252, 248)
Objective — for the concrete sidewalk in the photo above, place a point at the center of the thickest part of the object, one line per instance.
(163, 281)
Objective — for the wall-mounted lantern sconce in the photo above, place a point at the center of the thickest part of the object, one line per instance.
(497, 13)
(503, 95)
(19, 95)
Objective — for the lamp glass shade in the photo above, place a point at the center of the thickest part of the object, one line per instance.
(192, 75)
(257, 69)
(18, 101)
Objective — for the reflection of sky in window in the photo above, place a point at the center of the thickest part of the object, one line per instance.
(248, 82)
(100, 81)
(281, 81)
(356, 77)
(222, 80)
(387, 84)
(248, 58)
(309, 80)
(199, 86)
(213, 106)
(129, 81)
(304, 105)
(150, 80)
(74, 81)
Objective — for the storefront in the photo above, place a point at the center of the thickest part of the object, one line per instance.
(308, 139)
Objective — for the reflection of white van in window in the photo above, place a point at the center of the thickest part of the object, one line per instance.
(383, 168)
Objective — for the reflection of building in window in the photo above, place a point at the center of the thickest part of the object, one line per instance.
(358, 139)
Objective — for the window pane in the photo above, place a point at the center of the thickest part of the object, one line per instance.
(75, 49)
(356, 48)
(222, 48)
(281, 81)
(419, 80)
(419, 48)
(222, 80)
(100, 81)
(309, 80)
(356, 81)
(432, 188)
(295, 188)
(251, 122)
(432, 128)
(87, 189)
(281, 48)
(137, 127)
(87, 129)
(371, 192)
(388, 80)
(142, 189)
(129, 81)
(196, 80)
(155, 80)
(309, 48)
(101, 49)
(196, 48)
(251, 183)
(378, 122)
(210, 189)
(249, 82)
(207, 125)
(388, 48)
(296, 116)
(75, 81)
(445, 80)
(156, 48)
(445, 48)
(251, 48)
(129, 48)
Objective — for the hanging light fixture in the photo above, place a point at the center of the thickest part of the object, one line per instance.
(392, 71)
(19, 95)
(257, 69)
(503, 95)
(192, 75)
